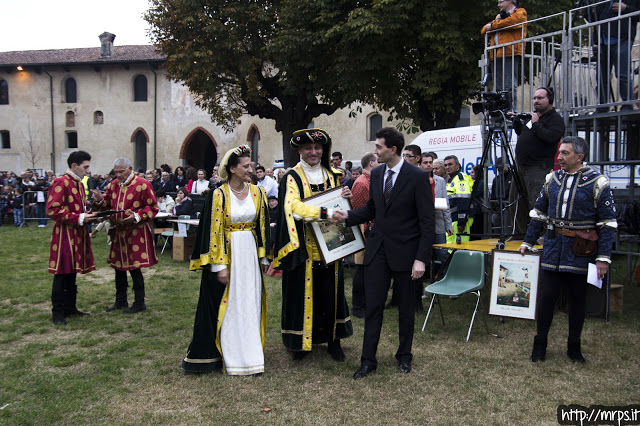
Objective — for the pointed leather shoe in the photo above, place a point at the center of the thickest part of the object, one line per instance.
(134, 309)
(59, 321)
(77, 313)
(363, 371)
(117, 306)
(405, 367)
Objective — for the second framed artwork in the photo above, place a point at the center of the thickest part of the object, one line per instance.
(334, 240)
(514, 284)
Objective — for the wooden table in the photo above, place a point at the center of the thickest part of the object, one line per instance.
(183, 246)
(485, 246)
(193, 222)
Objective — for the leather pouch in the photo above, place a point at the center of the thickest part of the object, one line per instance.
(586, 243)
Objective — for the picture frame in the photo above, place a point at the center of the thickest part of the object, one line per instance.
(514, 284)
(334, 240)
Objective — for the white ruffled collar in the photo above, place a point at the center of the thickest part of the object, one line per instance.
(315, 174)
(75, 176)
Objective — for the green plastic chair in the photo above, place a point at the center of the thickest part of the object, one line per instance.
(169, 234)
(464, 275)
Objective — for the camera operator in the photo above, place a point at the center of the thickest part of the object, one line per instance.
(537, 145)
(506, 60)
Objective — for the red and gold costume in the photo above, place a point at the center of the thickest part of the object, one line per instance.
(132, 245)
(70, 250)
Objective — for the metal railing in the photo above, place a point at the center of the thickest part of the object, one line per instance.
(566, 60)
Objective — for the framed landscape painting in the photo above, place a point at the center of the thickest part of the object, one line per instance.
(514, 284)
(334, 240)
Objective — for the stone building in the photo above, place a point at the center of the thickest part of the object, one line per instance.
(117, 101)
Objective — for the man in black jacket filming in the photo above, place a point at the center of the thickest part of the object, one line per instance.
(536, 149)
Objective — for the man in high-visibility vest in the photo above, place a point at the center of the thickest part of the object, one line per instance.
(459, 193)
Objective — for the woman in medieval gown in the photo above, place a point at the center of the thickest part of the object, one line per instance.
(231, 249)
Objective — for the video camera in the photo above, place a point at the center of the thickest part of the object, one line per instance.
(495, 103)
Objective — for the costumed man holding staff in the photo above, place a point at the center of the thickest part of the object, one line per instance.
(70, 251)
(132, 244)
(576, 207)
(231, 248)
(314, 308)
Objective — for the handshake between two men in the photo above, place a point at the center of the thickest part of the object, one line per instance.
(338, 216)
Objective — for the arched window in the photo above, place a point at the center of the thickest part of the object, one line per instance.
(98, 117)
(71, 119)
(375, 124)
(6, 139)
(140, 150)
(72, 140)
(70, 94)
(140, 89)
(4, 92)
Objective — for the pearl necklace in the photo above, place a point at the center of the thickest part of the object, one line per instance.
(241, 191)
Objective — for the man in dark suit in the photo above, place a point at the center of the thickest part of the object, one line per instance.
(401, 202)
(166, 183)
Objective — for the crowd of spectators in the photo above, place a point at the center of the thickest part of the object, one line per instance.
(24, 196)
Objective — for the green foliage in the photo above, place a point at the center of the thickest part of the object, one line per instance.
(291, 61)
(231, 56)
(416, 59)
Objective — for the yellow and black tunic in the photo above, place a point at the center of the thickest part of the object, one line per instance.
(314, 308)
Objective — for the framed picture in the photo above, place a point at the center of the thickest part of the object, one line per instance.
(514, 284)
(334, 240)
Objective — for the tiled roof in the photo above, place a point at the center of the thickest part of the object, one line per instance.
(91, 55)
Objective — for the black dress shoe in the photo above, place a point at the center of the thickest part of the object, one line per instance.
(300, 355)
(574, 352)
(117, 306)
(335, 350)
(134, 309)
(363, 371)
(539, 351)
(405, 367)
(77, 313)
(59, 321)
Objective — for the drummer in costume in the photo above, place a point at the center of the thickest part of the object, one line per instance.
(70, 251)
(132, 243)
(314, 308)
(231, 248)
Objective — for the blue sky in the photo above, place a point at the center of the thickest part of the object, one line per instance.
(60, 24)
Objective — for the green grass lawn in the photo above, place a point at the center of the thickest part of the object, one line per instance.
(112, 368)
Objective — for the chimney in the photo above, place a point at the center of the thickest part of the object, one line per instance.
(106, 44)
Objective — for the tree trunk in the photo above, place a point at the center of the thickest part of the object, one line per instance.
(290, 156)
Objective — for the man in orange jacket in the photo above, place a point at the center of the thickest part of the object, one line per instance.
(509, 26)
